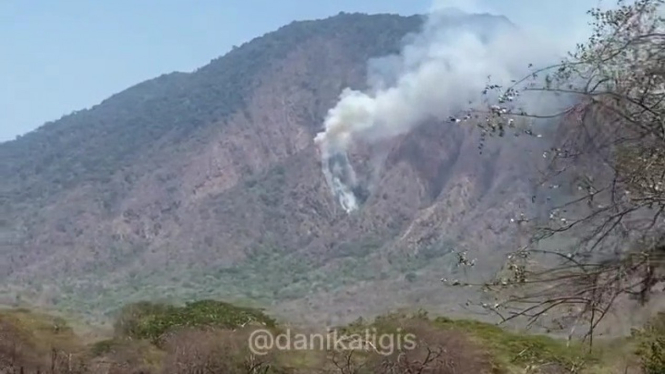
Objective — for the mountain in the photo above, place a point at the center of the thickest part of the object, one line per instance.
(208, 185)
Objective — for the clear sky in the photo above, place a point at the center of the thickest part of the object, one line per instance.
(61, 56)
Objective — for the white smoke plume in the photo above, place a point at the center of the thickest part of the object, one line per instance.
(438, 72)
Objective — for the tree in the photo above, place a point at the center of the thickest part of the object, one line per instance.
(607, 159)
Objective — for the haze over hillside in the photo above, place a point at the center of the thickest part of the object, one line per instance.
(209, 185)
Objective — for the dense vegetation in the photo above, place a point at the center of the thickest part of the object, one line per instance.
(211, 336)
(104, 154)
(150, 321)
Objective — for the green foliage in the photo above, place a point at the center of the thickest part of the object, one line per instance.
(358, 248)
(511, 349)
(651, 345)
(424, 257)
(506, 352)
(510, 352)
(102, 347)
(147, 320)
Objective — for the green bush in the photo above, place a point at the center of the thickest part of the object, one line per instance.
(150, 321)
(102, 347)
(651, 345)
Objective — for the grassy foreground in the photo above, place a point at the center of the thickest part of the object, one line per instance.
(213, 337)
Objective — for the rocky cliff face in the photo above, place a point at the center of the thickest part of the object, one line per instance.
(208, 184)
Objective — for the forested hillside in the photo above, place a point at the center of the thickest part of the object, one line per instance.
(207, 184)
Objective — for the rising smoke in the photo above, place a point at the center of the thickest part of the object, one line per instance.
(437, 74)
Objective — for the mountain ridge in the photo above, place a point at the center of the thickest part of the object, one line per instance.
(208, 184)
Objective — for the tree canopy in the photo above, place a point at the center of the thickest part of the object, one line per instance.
(607, 158)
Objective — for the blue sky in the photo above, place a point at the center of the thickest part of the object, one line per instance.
(61, 56)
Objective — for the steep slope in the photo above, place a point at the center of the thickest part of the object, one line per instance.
(208, 184)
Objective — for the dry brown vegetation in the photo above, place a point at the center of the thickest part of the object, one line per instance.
(193, 351)
(223, 197)
(442, 346)
(438, 351)
(601, 239)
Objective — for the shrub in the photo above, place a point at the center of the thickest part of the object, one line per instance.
(651, 345)
(416, 346)
(212, 351)
(150, 320)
